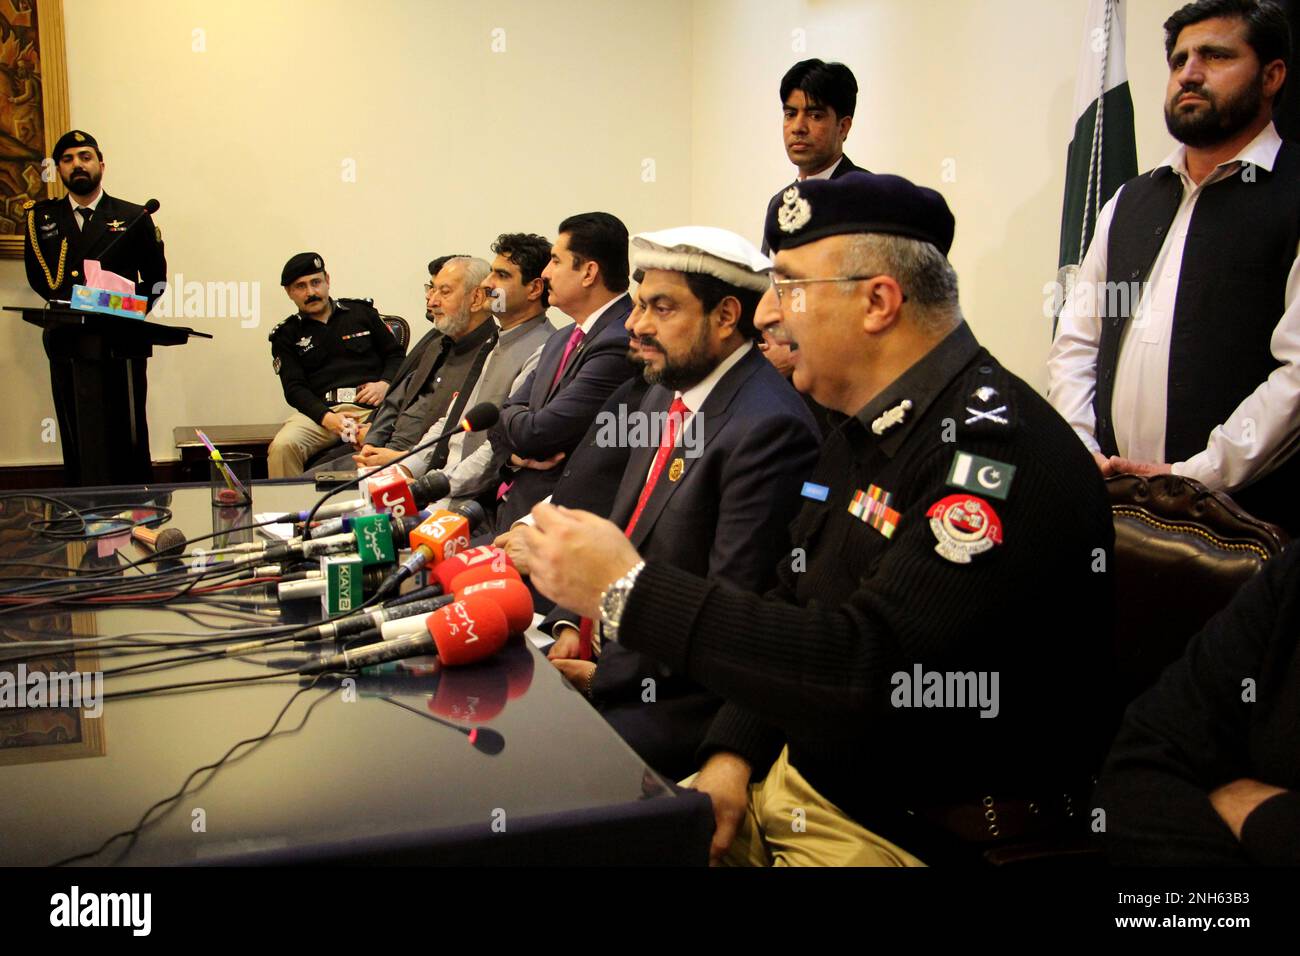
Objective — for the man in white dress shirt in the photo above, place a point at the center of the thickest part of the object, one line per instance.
(1178, 348)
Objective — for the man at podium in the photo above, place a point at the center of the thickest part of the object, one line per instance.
(61, 234)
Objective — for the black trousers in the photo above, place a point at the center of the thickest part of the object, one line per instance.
(103, 431)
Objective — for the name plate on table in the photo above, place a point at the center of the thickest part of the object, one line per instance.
(125, 304)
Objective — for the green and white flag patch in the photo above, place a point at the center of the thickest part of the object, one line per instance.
(983, 476)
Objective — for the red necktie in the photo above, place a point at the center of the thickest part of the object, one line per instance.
(677, 413)
(575, 337)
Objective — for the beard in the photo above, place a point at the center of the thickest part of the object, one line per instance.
(82, 183)
(1219, 121)
(452, 325)
(689, 370)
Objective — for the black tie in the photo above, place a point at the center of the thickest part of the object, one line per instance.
(86, 213)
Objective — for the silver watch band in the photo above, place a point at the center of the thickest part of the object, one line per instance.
(614, 600)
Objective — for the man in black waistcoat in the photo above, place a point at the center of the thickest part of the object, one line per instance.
(925, 703)
(61, 234)
(1179, 347)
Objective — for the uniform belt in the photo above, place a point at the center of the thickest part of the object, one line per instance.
(992, 820)
(344, 396)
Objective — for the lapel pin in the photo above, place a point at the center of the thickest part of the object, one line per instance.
(891, 417)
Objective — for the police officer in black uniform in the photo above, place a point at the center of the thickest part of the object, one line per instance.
(60, 235)
(335, 359)
(920, 700)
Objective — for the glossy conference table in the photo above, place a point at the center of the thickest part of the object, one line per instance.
(382, 772)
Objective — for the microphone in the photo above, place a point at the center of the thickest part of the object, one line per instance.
(440, 536)
(389, 491)
(149, 209)
(445, 573)
(482, 416)
(433, 486)
(429, 599)
(314, 587)
(164, 543)
(461, 633)
(510, 594)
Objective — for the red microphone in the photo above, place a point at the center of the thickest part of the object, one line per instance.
(515, 606)
(461, 633)
(511, 595)
(468, 631)
(483, 573)
(445, 572)
(390, 492)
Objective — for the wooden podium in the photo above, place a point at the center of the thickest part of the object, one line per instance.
(108, 355)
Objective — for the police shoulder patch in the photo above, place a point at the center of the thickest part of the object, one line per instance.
(963, 526)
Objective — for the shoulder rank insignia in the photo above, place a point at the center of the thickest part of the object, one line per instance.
(995, 415)
(29, 204)
(984, 393)
(964, 526)
(891, 417)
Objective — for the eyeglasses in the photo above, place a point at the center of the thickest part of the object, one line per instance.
(428, 287)
(781, 284)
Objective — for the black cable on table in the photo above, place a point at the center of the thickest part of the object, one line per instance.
(134, 833)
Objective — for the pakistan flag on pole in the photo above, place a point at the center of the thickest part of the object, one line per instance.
(1103, 152)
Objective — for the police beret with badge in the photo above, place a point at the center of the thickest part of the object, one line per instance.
(856, 203)
(73, 139)
(303, 264)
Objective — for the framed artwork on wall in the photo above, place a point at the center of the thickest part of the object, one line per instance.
(33, 110)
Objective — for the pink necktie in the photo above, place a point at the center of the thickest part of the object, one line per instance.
(575, 337)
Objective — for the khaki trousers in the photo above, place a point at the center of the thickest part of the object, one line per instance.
(788, 823)
(300, 438)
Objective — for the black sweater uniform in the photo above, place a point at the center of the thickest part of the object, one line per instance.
(955, 527)
(315, 358)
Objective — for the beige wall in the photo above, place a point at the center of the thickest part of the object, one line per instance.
(986, 86)
(245, 145)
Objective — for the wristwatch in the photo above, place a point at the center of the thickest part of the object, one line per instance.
(613, 601)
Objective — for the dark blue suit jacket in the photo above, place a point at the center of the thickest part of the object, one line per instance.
(725, 518)
(540, 419)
